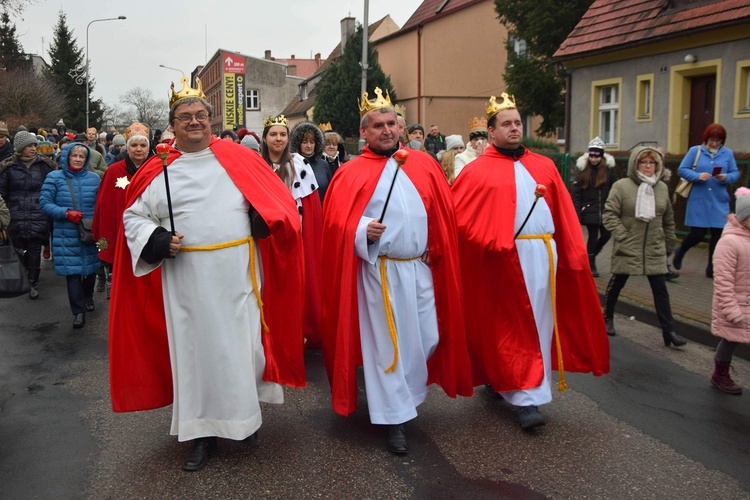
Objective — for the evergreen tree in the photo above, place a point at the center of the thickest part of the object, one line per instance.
(532, 77)
(340, 87)
(68, 69)
(11, 52)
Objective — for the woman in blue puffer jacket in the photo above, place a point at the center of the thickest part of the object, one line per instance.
(75, 260)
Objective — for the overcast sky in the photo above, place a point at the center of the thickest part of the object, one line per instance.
(127, 54)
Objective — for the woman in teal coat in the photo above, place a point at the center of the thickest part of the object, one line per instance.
(75, 260)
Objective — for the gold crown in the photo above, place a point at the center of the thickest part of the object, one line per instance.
(325, 127)
(493, 107)
(400, 110)
(187, 91)
(367, 105)
(477, 124)
(276, 120)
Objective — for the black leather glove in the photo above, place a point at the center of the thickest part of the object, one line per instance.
(157, 247)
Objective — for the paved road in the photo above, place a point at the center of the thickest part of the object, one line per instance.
(653, 428)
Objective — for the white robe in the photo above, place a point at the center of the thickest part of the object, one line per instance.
(213, 320)
(535, 266)
(393, 397)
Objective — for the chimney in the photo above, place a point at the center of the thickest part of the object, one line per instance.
(268, 55)
(317, 60)
(292, 57)
(347, 30)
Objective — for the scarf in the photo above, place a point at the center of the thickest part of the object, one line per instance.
(645, 201)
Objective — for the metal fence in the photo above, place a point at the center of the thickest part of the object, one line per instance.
(566, 166)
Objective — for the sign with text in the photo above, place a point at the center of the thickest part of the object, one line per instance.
(234, 91)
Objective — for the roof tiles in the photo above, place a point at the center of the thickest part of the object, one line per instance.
(613, 24)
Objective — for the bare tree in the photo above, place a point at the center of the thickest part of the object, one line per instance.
(145, 107)
(15, 6)
(30, 99)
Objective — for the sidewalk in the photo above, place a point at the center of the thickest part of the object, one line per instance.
(691, 296)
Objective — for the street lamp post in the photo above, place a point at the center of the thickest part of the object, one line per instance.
(174, 69)
(118, 18)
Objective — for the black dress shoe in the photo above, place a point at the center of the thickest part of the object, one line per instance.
(529, 417)
(90, 304)
(673, 338)
(396, 442)
(79, 320)
(197, 457)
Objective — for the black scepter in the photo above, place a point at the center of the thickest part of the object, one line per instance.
(539, 192)
(400, 157)
(163, 151)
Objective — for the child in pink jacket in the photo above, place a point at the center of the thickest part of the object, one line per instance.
(730, 318)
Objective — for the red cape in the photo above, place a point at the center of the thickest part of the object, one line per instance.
(312, 229)
(110, 205)
(140, 371)
(500, 327)
(346, 199)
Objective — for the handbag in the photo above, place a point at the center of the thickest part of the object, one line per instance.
(13, 279)
(685, 186)
(84, 227)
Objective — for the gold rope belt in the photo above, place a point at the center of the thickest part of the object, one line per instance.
(561, 386)
(389, 308)
(253, 274)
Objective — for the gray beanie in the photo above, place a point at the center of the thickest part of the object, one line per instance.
(250, 142)
(118, 140)
(23, 139)
(742, 204)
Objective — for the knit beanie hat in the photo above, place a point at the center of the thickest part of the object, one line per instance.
(453, 141)
(23, 139)
(742, 203)
(597, 144)
(4, 129)
(415, 126)
(250, 142)
(118, 140)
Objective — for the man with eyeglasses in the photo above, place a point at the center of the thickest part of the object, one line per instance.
(198, 333)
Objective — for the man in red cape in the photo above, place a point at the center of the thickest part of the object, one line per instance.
(192, 329)
(391, 295)
(512, 305)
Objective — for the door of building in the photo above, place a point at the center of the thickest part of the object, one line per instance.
(702, 106)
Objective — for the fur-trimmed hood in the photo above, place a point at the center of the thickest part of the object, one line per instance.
(661, 173)
(609, 160)
(299, 131)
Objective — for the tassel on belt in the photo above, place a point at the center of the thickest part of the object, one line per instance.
(253, 274)
(547, 238)
(389, 307)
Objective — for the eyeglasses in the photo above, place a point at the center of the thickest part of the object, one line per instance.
(595, 155)
(200, 118)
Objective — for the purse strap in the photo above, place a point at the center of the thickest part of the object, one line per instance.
(70, 186)
(697, 155)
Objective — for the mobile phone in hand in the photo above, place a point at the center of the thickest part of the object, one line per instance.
(717, 171)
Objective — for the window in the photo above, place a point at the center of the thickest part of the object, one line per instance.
(605, 110)
(742, 90)
(253, 99)
(518, 45)
(644, 98)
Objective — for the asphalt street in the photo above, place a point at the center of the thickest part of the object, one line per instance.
(653, 428)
